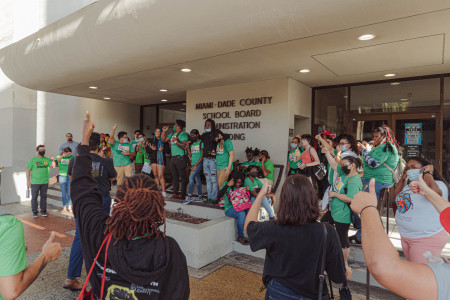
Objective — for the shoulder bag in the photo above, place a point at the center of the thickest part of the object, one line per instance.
(320, 170)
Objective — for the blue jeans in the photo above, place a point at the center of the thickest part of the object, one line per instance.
(278, 291)
(266, 204)
(198, 180)
(64, 184)
(210, 171)
(76, 253)
(378, 187)
(240, 218)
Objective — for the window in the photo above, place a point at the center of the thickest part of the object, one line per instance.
(331, 110)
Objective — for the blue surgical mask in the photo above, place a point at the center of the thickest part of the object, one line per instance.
(294, 145)
(344, 148)
(141, 140)
(208, 129)
(413, 174)
(125, 140)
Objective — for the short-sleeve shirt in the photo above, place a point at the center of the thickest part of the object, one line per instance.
(442, 274)
(249, 163)
(182, 137)
(382, 174)
(140, 156)
(39, 169)
(119, 159)
(340, 210)
(63, 165)
(13, 256)
(223, 155)
(196, 152)
(416, 217)
(73, 146)
(290, 158)
(269, 167)
(253, 185)
(227, 203)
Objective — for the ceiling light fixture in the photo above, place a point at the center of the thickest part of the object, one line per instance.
(366, 37)
(395, 83)
(93, 87)
(106, 98)
(305, 71)
(185, 70)
(404, 99)
(164, 100)
(163, 90)
(182, 109)
(390, 75)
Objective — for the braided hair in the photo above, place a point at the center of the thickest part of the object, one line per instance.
(388, 134)
(138, 210)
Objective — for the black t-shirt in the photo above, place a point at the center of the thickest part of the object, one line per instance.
(154, 154)
(294, 255)
(210, 145)
(147, 269)
(102, 171)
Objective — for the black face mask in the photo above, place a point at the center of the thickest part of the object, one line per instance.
(253, 174)
(41, 153)
(346, 170)
(193, 139)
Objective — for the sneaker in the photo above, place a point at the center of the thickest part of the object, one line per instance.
(222, 203)
(354, 240)
(164, 194)
(198, 199)
(188, 200)
(44, 214)
(174, 196)
(35, 215)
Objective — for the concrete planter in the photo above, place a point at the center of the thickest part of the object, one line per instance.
(202, 243)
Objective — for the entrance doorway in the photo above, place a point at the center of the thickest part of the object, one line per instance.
(419, 134)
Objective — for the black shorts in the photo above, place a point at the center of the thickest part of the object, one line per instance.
(341, 229)
(155, 162)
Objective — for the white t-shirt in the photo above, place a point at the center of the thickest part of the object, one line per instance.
(442, 274)
(416, 217)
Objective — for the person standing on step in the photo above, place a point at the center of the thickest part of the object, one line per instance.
(122, 152)
(293, 157)
(178, 164)
(69, 143)
(64, 180)
(105, 146)
(224, 158)
(209, 160)
(140, 153)
(103, 172)
(37, 179)
(195, 149)
(157, 150)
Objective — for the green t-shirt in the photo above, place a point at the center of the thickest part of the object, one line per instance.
(290, 158)
(119, 159)
(196, 152)
(63, 165)
(182, 137)
(227, 205)
(382, 173)
(340, 210)
(39, 169)
(331, 170)
(140, 156)
(269, 167)
(147, 157)
(223, 155)
(13, 256)
(249, 163)
(253, 185)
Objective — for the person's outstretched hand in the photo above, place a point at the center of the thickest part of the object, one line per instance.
(420, 186)
(364, 199)
(51, 249)
(87, 129)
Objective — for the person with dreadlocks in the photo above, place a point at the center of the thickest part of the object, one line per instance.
(417, 219)
(129, 250)
(379, 163)
(250, 154)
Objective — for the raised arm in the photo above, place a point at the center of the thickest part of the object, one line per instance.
(417, 280)
(422, 187)
(324, 143)
(111, 137)
(164, 137)
(331, 160)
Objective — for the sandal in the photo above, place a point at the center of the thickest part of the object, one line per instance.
(243, 240)
(64, 210)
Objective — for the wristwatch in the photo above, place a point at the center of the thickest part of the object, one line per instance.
(427, 172)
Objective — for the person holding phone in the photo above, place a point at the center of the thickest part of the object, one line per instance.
(417, 220)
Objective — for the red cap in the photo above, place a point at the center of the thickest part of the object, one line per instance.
(103, 135)
(326, 132)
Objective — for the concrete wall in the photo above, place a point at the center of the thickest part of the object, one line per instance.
(300, 106)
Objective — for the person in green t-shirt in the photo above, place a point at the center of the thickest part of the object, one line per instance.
(347, 185)
(266, 166)
(37, 179)
(250, 154)
(224, 156)
(64, 181)
(122, 151)
(293, 157)
(195, 149)
(140, 153)
(178, 164)
(254, 185)
(15, 275)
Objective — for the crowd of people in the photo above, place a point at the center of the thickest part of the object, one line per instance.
(302, 238)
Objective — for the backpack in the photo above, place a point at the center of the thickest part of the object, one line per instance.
(399, 169)
(240, 199)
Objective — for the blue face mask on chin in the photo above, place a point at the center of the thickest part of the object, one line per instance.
(208, 129)
(413, 174)
(344, 148)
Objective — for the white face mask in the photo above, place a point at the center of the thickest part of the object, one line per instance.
(125, 140)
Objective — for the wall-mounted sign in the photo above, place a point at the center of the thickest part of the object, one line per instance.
(412, 150)
(413, 134)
